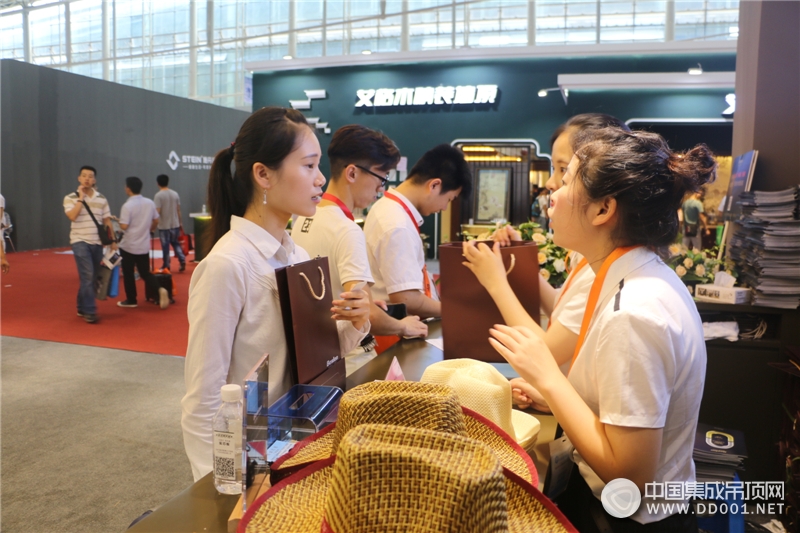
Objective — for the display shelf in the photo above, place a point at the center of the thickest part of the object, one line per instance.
(742, 391)
(768, 344)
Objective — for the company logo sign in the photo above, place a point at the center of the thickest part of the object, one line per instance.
(189, 162)
(459, 95)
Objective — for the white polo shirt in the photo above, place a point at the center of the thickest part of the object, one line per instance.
(570, 306)
(643, 364)
(329, 233)
(394, 248)
(138, 213)
(83, 228)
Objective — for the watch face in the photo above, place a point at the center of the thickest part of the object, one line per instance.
(719, 440)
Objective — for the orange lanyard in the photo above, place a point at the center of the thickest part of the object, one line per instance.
(594, 295)
(572, 275)
(426, 281)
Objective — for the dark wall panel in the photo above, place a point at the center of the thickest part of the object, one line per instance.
(53, 122)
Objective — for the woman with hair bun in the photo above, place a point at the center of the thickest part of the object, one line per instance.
(234, 312)
(631, 399)
(564, 306)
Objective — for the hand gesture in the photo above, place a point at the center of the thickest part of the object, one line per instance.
(413, 327)
(505, 235)
(524, 395)
(353, 307)
(486, 263)
(526, 352)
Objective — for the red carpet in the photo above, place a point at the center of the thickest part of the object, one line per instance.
(38, 301)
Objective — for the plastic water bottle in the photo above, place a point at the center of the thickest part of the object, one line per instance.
(227, 426)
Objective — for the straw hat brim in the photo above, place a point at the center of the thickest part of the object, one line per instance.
(297, 503)
(319, 447)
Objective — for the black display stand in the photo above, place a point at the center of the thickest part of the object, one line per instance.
(742, 391)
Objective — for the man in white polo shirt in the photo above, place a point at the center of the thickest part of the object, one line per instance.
(394, 247)
(138, 220)
(84, 238)
(360, 158)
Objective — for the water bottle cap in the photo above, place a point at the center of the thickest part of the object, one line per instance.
(231, 393)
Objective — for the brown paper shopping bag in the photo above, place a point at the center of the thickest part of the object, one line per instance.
(311, 335)
(468, 311)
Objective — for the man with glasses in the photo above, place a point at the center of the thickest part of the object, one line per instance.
(392, 230)
(360, 159)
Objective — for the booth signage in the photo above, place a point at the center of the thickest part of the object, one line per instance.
(190, 162)
(461, 94)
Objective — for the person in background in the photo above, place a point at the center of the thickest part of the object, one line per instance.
(544, 202)
(234, 313)
(693, 218)
(536, 209)
(2, 219)
(394, 247)
(170, 223)
(630, 402)
(4, 266)
(138, 220)
(360, 158)
(565, 306)
(84, 239)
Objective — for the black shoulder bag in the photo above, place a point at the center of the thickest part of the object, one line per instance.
(102, 230)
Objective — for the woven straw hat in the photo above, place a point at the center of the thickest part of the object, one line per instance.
(393, 478)
(482, 388)
(405, 403)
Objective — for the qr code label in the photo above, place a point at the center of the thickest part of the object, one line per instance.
(225, 468)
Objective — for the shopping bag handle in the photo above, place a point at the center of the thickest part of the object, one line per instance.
(310, 288)
(512, 265)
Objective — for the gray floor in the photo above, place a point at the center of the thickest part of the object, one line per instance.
(91, 437)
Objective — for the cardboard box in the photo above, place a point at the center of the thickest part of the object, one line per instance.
(722, 295)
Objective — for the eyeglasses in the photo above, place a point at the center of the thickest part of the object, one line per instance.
(384, 179)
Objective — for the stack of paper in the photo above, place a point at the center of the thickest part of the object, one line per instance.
(718, 453)
(766, 247)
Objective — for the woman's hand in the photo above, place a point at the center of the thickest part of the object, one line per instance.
(505, 235)
(524, 395)
(526, 352)
(486, 263)
(353, 307)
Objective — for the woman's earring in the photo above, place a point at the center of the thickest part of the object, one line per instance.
(265, 197)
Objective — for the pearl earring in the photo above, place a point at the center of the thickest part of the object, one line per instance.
(265, 197)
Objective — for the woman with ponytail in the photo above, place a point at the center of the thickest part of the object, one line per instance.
(630, 400)
(234, 312)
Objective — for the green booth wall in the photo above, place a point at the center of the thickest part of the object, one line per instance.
(517, 112)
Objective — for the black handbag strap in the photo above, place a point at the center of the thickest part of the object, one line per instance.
(89, 209)
(96, 223)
